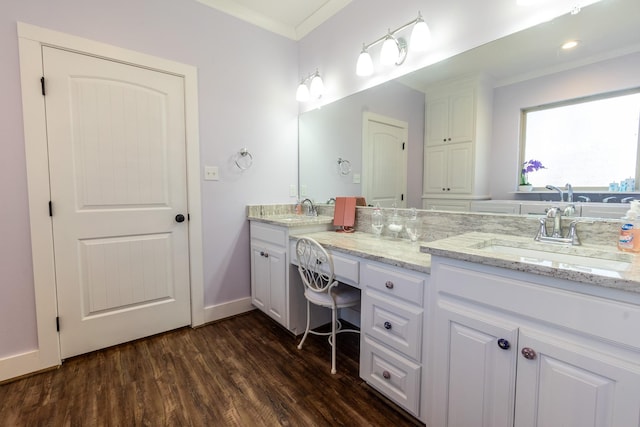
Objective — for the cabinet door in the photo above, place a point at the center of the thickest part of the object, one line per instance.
(569, 385)
(277, 284)
(437, 121)
(259, 277)
(459, 168)
(461, 116)
(435, 170)
(474, 369)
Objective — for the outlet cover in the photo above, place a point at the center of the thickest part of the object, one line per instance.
(211, 173)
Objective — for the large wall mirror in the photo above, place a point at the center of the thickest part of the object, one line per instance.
(517, 65)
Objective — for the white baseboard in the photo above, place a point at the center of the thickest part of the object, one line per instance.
(227, 309)
(24, 363)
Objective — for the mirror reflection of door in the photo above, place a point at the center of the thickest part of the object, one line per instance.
(384, 160)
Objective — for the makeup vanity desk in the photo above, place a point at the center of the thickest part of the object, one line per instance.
(392, 275)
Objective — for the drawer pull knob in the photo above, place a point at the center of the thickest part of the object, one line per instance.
(529, 353)
(261, 253)
(386, 375)
(504, 344)
(389, 284)
(387, 325)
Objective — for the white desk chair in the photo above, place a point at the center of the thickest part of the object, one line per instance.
(320, 287)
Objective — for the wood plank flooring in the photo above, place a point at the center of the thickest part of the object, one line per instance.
(242, 371)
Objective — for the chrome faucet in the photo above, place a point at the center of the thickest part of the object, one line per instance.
(584, 198)
(627, 199)
(569, 192)
(556, 235)
(556, 214)
(553, 187)
(608, 199)
(311, 209)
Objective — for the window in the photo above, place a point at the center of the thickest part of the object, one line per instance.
(587, 142)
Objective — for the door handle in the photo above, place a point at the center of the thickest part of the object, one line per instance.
(179, 218)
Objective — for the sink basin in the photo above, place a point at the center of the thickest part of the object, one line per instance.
(607, 263)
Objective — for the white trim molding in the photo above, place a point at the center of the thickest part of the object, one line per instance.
(228, 309)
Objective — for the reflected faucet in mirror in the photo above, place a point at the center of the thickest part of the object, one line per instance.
(560, 192)
(311, 209)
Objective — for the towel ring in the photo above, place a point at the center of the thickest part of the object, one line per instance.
(243, 159)
(344, 166)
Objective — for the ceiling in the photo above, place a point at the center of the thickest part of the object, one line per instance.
(290, 18)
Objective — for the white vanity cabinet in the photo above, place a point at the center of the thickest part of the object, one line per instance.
(269, 270)
(457, 137)
(272, 289)
(515, 349)
(392, 313)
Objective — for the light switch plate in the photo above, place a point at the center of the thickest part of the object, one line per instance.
(211, 173)
(293, 191)
(356, 178)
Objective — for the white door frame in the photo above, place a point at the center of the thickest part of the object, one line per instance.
(31, 39)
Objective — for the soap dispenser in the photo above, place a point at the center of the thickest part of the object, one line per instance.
(377, 220)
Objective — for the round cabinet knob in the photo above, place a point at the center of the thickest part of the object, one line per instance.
(444, 139)
(179, 218)
(387, 325)
(448, 139)
(504, 344)
(386, 375)
(389, 284)
(529, 353)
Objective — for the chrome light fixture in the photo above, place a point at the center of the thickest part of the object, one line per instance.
(314, 90)
(394, 49)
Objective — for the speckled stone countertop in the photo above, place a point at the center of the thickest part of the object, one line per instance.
(607, 266)
(292, 220)
(397, 252)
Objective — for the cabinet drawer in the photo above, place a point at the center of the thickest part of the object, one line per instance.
(271, 234)
(391, 374)
(346, 269)
(393, 282)
(393, 322)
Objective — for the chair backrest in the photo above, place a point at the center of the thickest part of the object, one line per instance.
(315, 265)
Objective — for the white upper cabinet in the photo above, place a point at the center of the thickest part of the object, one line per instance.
(457, 137)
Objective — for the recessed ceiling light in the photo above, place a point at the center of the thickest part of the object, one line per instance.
(570, 44)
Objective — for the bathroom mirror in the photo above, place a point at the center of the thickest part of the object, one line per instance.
(606, 30)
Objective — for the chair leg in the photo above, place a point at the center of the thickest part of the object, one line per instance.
(334, 319)
(306, 331)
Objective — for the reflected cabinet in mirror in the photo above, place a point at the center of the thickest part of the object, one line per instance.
(524, 71)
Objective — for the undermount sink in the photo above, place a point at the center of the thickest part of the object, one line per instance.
(583, 259)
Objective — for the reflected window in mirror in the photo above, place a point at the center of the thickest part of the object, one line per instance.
(587, 142)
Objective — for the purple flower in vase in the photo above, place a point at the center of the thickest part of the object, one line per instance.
(528, 167)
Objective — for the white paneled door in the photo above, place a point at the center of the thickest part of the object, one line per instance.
(116, 138)
(384, 169)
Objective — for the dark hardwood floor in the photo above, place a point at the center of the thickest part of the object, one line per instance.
(242, 371)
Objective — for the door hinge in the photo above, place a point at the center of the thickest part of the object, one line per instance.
(50, 208)
(188, 217)
(58, 323)
(403, 146)
(42, 85)
(402, 197)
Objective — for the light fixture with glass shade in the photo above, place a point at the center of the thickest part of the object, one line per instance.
(313, 91)
(394, 49)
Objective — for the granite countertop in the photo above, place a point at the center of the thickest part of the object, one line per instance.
(603, 266)
(397, 252)
(292, 220)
